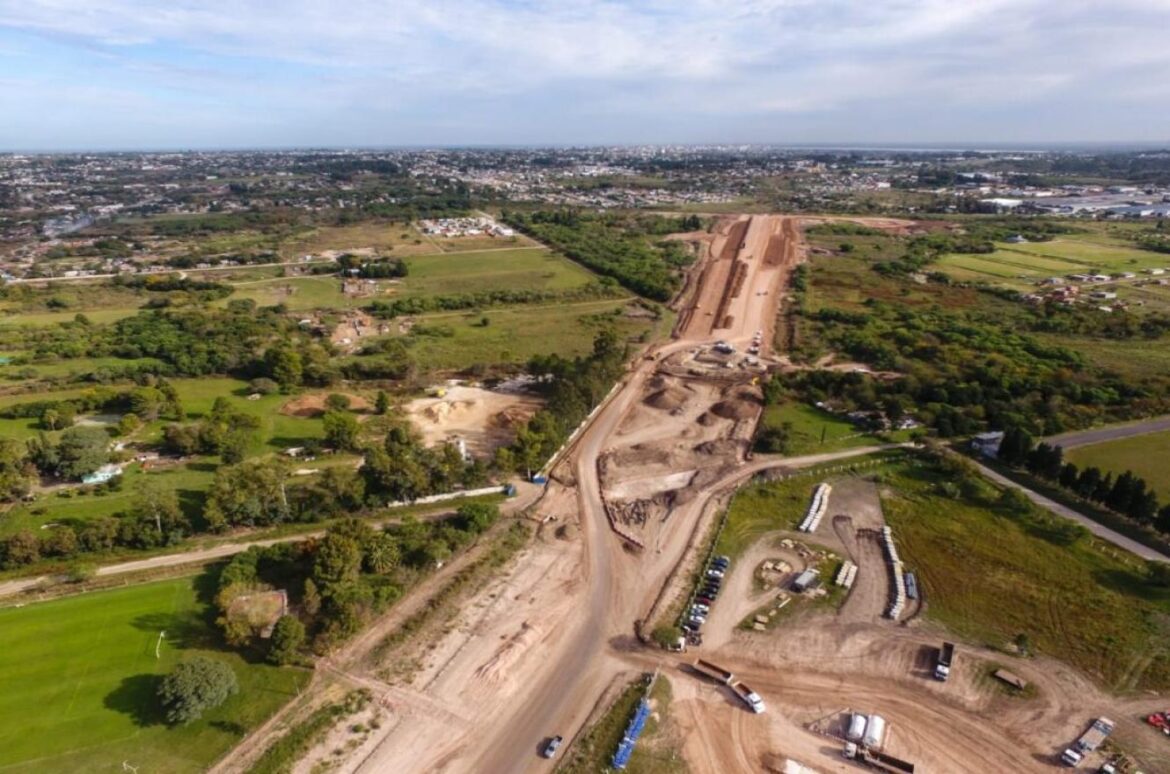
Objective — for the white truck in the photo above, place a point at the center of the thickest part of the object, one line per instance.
(721, 675)
(1089, 741)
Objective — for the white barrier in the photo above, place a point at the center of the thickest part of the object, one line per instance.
(899, 601)
(816, 509)
(548, 466)
(448, 496)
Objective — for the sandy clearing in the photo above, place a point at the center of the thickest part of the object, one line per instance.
(484, 419)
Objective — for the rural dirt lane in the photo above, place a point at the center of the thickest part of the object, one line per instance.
(526, 495)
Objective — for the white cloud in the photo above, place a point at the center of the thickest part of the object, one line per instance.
(410, 58)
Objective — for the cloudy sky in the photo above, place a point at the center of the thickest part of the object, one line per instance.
(83, 74)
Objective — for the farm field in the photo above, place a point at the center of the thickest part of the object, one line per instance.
(1022, 265)
(458, 340)
(1144, 455)
(469, 272)
(79, 676)
(398, 239)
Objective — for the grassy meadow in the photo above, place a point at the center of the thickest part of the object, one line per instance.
(1145, 455)
(80, 674)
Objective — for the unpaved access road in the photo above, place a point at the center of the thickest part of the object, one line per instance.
(526, 495)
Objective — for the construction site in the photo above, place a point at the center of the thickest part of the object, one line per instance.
(538, 650)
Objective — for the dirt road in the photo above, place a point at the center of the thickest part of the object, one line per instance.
(526, 495)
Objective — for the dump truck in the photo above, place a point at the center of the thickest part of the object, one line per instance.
(716, 673)
(1089, 741)
(749, 697)
(878, 760)
(946, 655)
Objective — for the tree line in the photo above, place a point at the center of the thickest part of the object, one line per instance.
(617, 246)
(1126, 494)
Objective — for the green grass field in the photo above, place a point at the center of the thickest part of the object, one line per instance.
(515, 334)
(991, 575)
(815, 431)
(79, 676)
(470, 272)
(1144, 455)
(1020, 266)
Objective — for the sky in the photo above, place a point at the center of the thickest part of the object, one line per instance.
(194, 74)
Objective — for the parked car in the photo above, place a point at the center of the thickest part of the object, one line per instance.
(708, 601)
(553, 745)
(715, 574)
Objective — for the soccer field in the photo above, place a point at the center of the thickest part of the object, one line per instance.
(79, 676)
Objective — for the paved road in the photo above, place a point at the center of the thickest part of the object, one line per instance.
(1111, 433)
(1099, 530)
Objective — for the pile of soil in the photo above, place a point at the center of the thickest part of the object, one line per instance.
(733, 409)
(707, 419)
(314, 405)
(667, 399)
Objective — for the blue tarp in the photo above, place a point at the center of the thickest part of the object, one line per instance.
(622, 757)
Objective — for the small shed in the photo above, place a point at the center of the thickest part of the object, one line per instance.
(806, 580)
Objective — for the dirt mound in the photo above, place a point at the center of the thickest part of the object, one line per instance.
(720, 447)
(511, 417)
(707, 419)
(667, 399)
(314, 405)
(734, 409)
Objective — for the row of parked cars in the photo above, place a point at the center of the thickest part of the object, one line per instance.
(704, 598)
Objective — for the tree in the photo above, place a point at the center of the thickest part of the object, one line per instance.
(338, 561)
(311, 598)
(158, 504)
(285, 366)
(341, 430)
(20, 549)
(251, 493)
(1068, 475)
(147, 402)
(1162, 523)
(263, 386)
(287, 638)
(128, 424)
(382, 402)
(476, 517)
(1023, 644)
(82, 450)
(196, 684)
(381, 554)
(15, 470)
(335, 401)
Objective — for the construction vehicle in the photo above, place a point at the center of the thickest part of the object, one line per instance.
(1089, 741)
(721, 675)
(748, 696)
(946, 655)
(877, 759)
